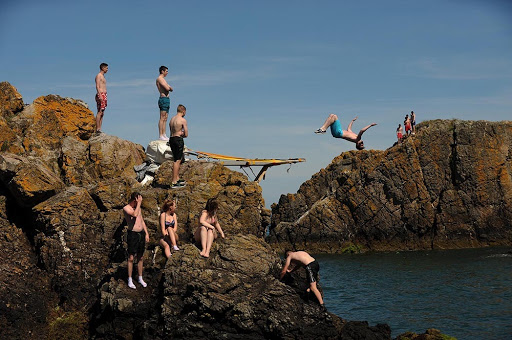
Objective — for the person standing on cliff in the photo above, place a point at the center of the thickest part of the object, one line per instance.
(399, 133)
(101, 95)
(164, 102)
(137, 236)
(179, 130)
(407, 124)
(337, 132)
(413, 122)
(297, 259)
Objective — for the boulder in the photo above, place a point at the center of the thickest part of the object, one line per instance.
(11, 101)
(448, 186)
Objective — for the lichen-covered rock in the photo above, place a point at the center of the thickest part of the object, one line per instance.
(449, 186)
(241, 205)
(11, 101)
(28, 179)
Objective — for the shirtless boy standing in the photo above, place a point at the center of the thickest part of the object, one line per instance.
(164, 102)
(179, 130)
(137, 236)
(297, 259)
(101, 95)
(337, 132)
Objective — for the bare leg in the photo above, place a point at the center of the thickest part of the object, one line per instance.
(165, 247)
(140, 265)
(200, 236)
(130, 266)
(173, 237)
(328, 122)
(99, 120)
(162, 123)
(209, 242)
(315, 290)
(176, 171)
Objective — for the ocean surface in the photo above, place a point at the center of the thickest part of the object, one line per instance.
(464, 293)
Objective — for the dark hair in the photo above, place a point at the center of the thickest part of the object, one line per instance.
(359, 146)
(167, 204)
(134, 196)
(211, 206)
(286, 251)
(162, 69)
(102, 65)
(181, 108)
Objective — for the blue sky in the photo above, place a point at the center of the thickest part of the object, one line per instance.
(258, 77)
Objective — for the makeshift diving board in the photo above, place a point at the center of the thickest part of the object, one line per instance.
(244, 162)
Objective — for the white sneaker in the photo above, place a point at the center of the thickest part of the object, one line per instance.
(163, 138)
(142, 283)
(130, 283)
(176, 248)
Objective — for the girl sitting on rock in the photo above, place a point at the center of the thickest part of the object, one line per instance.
(169, 227)
(208, 227)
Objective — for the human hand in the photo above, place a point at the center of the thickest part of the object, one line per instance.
(147, 237)
(373, 124)
(139, 199)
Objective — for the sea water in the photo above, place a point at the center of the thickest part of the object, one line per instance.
(464, 293)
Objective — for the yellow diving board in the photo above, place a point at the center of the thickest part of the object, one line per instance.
(265, 163)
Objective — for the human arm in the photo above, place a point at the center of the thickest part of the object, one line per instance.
(217, 225)
(162, 224)
(175, 228)
(184, 128)
(145, 230)
(97, 80)
(349, 128)
(363, 130)
(129, 210)
(285, 268)
(163, 84)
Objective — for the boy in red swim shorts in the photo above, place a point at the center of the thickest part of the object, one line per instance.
(101, 95)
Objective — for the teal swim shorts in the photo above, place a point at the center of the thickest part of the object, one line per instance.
(164, 103)
(336, 130)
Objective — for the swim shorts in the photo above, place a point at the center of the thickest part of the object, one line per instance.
(101, 101)
(407, 127)
(136, 241)
(399, 135)
(336, 130)
(312, 271)
(164, 103)
(177, 145)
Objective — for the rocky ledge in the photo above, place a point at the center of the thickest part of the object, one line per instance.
(448, 186)
(62, 189)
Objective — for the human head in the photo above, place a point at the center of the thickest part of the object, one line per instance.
(211, 206)
(169, 204)
(104, 67)
(399, 126)
(181, 109)
(134, 196)
(359, 145)
(287, 252)
(412, 112)
(162, 69)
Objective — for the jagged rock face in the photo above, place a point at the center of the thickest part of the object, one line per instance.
(61, 196)
(235, 294)
(448, 186)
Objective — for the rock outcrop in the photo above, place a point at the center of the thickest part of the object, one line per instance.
(448, 186)
(235, 294)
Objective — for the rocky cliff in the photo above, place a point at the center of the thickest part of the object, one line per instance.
(448, 186)
(63, 266)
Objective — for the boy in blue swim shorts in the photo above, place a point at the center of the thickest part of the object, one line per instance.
(164, 102)
(338, 132)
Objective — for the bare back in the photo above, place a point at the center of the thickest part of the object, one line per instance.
(178, 126)
(302, 257)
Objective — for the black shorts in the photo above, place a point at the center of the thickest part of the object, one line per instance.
(136, 242)
(177, 146)
(312, 271)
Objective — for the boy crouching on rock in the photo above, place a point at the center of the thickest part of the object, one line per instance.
(297, 259)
